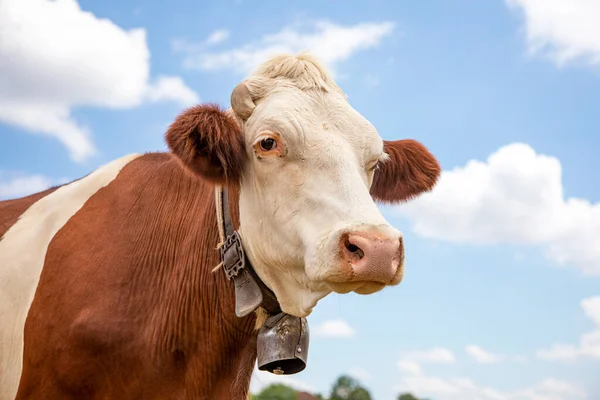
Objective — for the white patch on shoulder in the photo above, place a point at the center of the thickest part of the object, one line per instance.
(22, 254)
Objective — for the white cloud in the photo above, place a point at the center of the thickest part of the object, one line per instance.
(515, 196)
(411, 360)
(360, 373)
(17, 184)
(410, 367)
(482, 356)
(13, 185)
(184, 46)
(218, 36)
(413, 379)
(60, 57)
(336, 328)
(171, 88)
(465, 389)
(331, 42)
(589, 343)
(262, 379)
(591, 308)
(562, 30)
(436, 355)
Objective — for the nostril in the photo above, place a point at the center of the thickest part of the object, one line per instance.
(354, 249)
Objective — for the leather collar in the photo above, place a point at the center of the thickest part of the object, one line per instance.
(250, 291)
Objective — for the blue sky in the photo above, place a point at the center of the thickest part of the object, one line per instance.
(500, 298)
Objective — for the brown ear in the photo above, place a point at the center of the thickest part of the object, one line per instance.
(410, 170)
(208, 142)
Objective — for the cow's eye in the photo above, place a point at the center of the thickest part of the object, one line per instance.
(268, 144)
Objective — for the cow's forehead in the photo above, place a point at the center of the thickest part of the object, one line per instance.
(304, 116)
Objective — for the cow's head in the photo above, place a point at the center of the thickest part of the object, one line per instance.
(309, 168)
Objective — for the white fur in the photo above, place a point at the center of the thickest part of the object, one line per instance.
(22, 253)
(294, 208)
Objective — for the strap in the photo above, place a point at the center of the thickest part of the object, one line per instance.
(250, 290)
(227, 222)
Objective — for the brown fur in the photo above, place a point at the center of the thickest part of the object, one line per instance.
(127, 307)
(209, 143)
(410, 171)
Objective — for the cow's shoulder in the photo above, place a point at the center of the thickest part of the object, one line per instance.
(33, 224)
(116, 286)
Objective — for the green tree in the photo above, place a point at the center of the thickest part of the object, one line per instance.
(407, 396)
(277, 391)
(348, 388)
(360, 393)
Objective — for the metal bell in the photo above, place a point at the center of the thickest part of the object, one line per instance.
(282, 345)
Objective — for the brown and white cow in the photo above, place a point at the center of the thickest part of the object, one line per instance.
(106, 289)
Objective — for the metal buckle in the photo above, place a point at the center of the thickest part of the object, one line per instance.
(232, 255)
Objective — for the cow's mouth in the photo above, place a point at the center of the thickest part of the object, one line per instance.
(357, 287)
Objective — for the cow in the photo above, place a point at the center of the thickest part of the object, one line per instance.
(110, 286)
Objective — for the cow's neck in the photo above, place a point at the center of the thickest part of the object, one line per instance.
(197, 320)
(234, 380)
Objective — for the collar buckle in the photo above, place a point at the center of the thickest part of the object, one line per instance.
(232, 254)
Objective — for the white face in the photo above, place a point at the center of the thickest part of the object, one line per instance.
(308, 222)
